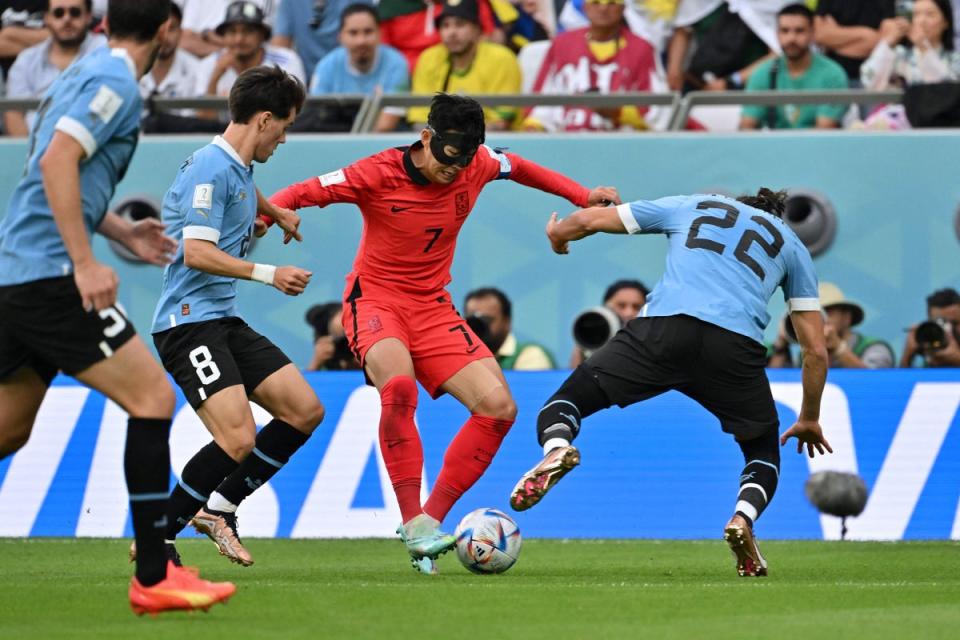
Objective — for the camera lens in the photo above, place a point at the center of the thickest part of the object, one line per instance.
(930, 335)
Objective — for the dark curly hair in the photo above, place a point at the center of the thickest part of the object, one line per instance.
(774, 202)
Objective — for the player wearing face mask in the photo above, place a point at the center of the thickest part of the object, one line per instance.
(398, 316)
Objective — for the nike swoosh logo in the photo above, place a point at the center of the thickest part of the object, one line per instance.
(396, 209)
(474, 349)
(391, 445)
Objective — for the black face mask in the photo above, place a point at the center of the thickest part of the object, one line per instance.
(466, 143)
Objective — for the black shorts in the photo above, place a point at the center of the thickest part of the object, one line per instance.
(206, 357)
(722, 370)
(44, 326)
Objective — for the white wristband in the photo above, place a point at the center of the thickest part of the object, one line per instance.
(263, 273)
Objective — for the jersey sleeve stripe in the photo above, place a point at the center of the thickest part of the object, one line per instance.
(197, 232)
(626, 217)
(803, 304)
(505, 167)
(79, 133)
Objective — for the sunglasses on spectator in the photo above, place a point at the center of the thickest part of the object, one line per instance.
(59, 12)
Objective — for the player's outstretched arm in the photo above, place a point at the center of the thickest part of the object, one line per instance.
(145, 238)
(60, 168)
(580, 224)
(531, 174)
(205, 256)
(807, 430)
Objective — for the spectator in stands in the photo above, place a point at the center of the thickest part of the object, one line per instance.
(21, 26)
(311, 27)
(625, 298)
(246, 34)
(604, 57)
(174, 72)
(489, 314)
(331, 351)
(37, 67)
(652, 20)
(943, 308)
(360, 65)
(526, 25)
(409, 26)
(464, 62)
(731, 39)
(930, 56)
(201, 37)
(799, 68)
(848, 30)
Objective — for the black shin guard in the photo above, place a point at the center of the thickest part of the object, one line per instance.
(146, 465)
(276, 442)
(203, 473)
(578, 397)
(758, 480)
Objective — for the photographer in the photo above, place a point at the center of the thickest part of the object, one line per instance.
(936, 340)
(848, 349)
(625, 298)
(331, 351)
(488, 312)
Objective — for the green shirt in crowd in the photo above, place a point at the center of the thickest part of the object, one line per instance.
(823, 73)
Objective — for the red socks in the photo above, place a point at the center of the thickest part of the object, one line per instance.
(400, 443)
(467, 457)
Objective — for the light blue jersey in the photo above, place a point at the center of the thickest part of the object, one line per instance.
(213, 198)
(96, 101)
(725, 261)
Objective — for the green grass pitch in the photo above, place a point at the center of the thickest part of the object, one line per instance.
(317, 589)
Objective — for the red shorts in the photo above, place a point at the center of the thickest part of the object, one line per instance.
(437, 337)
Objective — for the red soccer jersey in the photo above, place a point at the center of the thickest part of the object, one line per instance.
(410, 225)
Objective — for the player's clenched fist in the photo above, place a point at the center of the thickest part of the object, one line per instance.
(291, 280)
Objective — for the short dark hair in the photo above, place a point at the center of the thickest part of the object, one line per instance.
(136, 19)
(774, 202)
(620, 285)
(796, 9)
(176, 12)
(358, 7)
(943, 298)
(456, 113)
(265, 89)
(86, 3)
(486, 292)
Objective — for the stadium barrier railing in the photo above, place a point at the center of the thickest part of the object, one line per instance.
(680, 106)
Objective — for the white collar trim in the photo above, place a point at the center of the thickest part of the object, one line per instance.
(123, 55)
(226, 146)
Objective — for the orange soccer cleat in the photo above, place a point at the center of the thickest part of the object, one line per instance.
(181, 590)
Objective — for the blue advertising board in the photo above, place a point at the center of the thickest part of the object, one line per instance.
(661, 469)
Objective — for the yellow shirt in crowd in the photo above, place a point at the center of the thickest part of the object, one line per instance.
(494, 70)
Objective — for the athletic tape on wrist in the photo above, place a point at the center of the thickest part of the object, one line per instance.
(263, 273)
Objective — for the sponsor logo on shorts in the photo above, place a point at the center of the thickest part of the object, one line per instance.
(374, 324)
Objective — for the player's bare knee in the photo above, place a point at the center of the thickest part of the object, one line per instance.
(499, 405)
(309, 417)
(238, 445)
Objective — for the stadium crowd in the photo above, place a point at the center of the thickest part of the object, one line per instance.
(338, 47)
(353, 47)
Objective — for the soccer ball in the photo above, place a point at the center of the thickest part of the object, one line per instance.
(488, 541)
